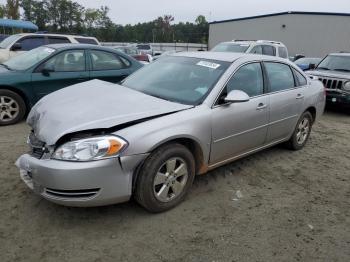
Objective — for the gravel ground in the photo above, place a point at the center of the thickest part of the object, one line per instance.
(276, 205)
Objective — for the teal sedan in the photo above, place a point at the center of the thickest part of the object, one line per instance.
(26, 78)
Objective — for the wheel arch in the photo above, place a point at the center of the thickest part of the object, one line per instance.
(312, 111)
(190, 143)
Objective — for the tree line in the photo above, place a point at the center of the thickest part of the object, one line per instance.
(66, 16)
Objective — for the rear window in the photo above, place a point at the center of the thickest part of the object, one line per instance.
(90, 41)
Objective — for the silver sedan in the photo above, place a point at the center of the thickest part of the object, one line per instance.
(98, 143)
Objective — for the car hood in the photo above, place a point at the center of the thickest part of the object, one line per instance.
(329, 73)
(93, 105)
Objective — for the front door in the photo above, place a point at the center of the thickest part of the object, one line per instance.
(286, 100)
(107, 66)
(238, 128)
(62, 70)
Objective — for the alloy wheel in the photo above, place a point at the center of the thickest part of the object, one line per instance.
(9, 108)
(170, 179)
(303, 131)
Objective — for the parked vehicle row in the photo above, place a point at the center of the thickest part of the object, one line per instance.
(135, 53)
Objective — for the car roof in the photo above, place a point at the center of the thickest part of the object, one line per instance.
(340, 54)
(227, 56)
(264, 42)
(48, 34)
(76, 45)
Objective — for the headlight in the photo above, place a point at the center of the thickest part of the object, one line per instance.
(347, 86)
(91, 149)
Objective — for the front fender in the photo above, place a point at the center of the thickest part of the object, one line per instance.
(193, 124)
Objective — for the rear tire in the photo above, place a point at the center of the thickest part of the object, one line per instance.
(165, 178)
(301, 133)
(12, 107)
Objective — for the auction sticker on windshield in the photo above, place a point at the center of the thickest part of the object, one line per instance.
(208, 64)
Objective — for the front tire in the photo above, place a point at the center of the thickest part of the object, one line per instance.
(12, 107)
(165, 178)
(302, 132)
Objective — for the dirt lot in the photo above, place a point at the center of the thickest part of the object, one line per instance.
(291, 206)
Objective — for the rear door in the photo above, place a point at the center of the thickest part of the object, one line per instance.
(238, 128)
(286, 100)
(108, 66)
(64, 69)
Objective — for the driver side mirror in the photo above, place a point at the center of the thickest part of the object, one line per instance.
(16, 47)
(312, 66)
(236, 96)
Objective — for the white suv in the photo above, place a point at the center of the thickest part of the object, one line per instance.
(17, 44)
(263, 47)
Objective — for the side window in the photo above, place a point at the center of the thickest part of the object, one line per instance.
(280, 76)
(248, 78)
(256, 50)
(268, 50)
(58, 40)
(282, 51)
(301, 79)
(102, 60)
(30, 43)
(90, 41)
(68, 61)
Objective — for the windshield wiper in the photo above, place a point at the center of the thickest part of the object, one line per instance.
(342, 69)
(6, 66)
(323, 68)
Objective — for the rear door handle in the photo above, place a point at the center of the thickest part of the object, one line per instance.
(261, 106)
(299, 96)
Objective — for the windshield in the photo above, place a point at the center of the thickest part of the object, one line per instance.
(229, 47)
(9, 40)
(306, 61)
(183, 80)
(29, 59)
(336, 63)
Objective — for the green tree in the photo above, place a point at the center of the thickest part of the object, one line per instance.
(2, 11)
(12, 9)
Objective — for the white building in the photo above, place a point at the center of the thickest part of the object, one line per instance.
(309, 33)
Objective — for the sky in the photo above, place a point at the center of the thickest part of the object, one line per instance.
(134, 11)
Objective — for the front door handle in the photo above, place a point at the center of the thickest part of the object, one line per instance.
(299, 96)
(261, 106)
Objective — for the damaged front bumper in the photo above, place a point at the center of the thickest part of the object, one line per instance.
(83, 184)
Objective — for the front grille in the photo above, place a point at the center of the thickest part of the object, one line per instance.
(72, 194)
(332, 83)
(37, 147)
